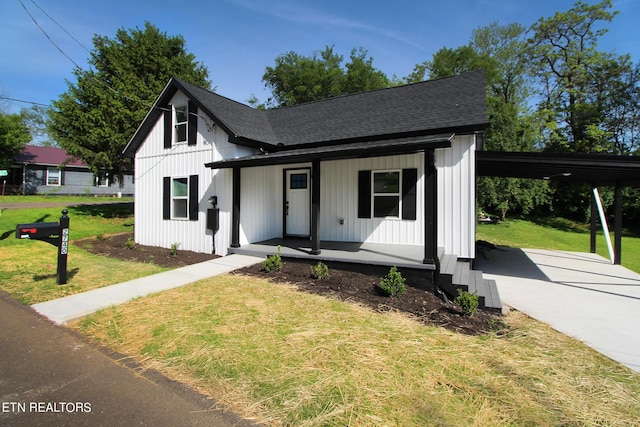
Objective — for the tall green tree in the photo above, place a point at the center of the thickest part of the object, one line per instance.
(14, 134)
(296, 79)
(101, 110)
(501, 51)
(574, 77)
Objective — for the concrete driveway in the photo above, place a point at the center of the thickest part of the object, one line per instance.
(579, 294)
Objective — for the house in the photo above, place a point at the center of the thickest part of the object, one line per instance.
(392, 167)
(51, 170)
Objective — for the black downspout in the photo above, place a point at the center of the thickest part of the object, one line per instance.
(235, 211)
(315, 207)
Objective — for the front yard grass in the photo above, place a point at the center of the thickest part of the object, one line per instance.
(28, 267)
(284, 357)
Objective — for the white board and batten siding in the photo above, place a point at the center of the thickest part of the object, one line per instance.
(457, 197)
(262, 201)
(153, 162)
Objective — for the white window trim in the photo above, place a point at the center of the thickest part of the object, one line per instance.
(374, 194)
(176, 123)
(58, 172)
(174, 198)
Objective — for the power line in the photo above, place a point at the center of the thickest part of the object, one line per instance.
(103, 83)
(26, 102)
(47, 35)
(60, 26)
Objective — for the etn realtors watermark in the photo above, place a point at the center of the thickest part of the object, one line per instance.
(45, 407)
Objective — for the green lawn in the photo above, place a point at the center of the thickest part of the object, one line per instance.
(38, 198)
(559, 234)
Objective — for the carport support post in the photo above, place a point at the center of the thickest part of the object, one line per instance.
(617, 245)
(63, 248)
(594, 220)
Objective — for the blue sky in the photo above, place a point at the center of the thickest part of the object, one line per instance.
(237, 39)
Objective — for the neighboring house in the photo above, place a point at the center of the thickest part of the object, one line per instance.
(393, 166)
(50, 170)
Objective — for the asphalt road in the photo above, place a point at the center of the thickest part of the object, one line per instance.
(52, 376)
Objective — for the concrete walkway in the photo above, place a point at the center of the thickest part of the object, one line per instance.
(72, 307)
(580, 294)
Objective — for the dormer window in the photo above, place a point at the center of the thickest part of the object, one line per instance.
(180, 120)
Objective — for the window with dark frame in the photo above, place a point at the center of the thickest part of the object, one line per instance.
(181, 115)
(180, 198)
(386, 194)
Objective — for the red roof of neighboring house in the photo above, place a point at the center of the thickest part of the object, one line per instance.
(47, 156)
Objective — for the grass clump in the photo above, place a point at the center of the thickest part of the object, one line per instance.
(392, 284)
(320, 271)
(273, 262)
(130, 243)
(467, 302)
(174, 248)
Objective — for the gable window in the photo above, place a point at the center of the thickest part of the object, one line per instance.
(181, 114)
(180, 124)
(180, 198)
(53, 176)
(387, 194)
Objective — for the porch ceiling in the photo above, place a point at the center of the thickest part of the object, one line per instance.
(595, 169)
(385, 147)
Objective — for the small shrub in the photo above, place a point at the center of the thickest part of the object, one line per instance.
(467, 302)
(393, 283)
(174, 248)
(273, 262)
(320, 271)
(130, 243)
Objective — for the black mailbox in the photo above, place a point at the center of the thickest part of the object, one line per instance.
(213, 219)
(38, 230)
(51, 232)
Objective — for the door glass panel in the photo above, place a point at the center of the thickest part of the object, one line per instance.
(298, 181)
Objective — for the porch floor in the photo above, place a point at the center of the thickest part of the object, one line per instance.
(407, 256)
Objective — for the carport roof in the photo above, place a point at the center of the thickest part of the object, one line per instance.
(595, 169)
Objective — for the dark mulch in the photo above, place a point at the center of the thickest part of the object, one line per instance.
(115, 247)
(347, 282)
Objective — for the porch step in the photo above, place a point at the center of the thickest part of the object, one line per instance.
(459, 274)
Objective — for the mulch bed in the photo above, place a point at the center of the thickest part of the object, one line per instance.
(347, 282)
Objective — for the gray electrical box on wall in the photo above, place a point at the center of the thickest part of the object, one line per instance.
(213, 219)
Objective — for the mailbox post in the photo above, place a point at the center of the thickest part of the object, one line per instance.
(54, 233)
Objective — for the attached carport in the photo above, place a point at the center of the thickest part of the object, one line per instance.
(594, 169)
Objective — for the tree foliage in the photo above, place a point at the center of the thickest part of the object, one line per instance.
(101, 110)
(584, 92)
(296, 79)
(14, 134)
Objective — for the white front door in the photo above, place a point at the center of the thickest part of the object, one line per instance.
(297, 204)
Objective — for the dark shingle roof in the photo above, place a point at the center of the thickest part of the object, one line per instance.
(50, 156)
(453, 104)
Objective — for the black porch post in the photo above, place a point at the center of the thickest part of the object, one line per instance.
(617, 246)
(431, 211)
(235, 210)
(594, 221)
(315, 207)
